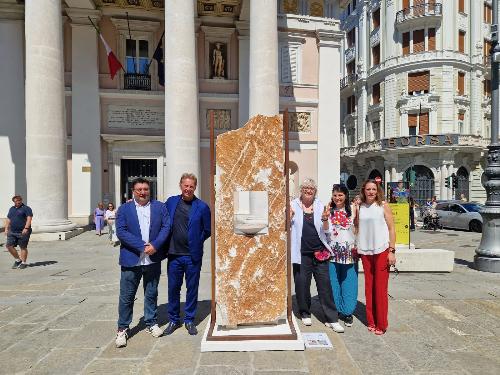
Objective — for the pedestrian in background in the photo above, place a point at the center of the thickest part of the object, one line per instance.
(18, 231)
(339, 229)
(413, 205)
(110, 217)
(99, 218)
(310, 254)
(376, 246)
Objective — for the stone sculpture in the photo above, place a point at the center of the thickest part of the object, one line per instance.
(218, 61)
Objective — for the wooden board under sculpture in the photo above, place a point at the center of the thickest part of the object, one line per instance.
(250, 239)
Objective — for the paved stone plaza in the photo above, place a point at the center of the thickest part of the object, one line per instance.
(59, 317)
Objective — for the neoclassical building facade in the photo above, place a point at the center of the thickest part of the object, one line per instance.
(415, 93)
(71, 135)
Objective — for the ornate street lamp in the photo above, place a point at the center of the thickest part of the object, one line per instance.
(487, 256)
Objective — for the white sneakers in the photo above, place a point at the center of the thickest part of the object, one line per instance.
(307, 321)
(155, 330)
(121, 339)
(335, 326)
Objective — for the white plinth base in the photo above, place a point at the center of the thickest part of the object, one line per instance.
(56, 236)
(253, 345)
(423, 260)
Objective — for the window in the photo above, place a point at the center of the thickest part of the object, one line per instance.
(376, 130)
(351, 104)
(461, 83)
(376, 93)
(351, 137)
(412, 123)
(376, 18)
(418, 121)
(461, 41)
(406, 43)
(486, 49)
(461, 6)
(351, 38)
(418, 82)
(137, 56)
(431, 39)
(351, 68)
(461, 117)
(487, 88)
(456, 208)
(418, 41)
(488, 13)
(376, 55)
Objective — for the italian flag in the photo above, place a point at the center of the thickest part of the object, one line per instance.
(114, 64)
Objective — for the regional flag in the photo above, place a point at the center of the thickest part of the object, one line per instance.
(113, 62)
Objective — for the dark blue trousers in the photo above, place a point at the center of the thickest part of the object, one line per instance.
(178, 267)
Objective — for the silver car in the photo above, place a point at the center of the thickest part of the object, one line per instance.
(460, 215)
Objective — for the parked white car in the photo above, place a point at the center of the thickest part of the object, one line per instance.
(460, 215)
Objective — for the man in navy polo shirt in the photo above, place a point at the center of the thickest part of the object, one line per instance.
(18, 231)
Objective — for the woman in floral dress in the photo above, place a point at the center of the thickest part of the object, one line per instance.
(344, 260)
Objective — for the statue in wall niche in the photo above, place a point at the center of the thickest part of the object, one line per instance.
(218, 61)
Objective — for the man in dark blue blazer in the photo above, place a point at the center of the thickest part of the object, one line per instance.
(142, 226)
(190, 228)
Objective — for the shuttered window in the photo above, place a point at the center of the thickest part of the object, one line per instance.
(418, 7)
(351, 104)
(431, 42)
(461, 41)
(461, 6)
(423, 123)
(412, 120)
(418, 41)
(486, 48)
(487, 87)
(376, 55)
(376, 93)
(488, 13)
(406, 4)
(419, 81)
(406, 44)
(461, 83)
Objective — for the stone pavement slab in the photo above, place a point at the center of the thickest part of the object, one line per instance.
(59, 317)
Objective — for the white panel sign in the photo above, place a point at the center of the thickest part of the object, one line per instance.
(135, 117)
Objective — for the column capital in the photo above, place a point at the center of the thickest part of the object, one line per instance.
(80, 17)
(329, 38)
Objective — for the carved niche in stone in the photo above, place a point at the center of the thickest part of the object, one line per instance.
(218, 60)
(222, 119)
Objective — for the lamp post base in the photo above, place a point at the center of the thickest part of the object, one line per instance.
(486, 264)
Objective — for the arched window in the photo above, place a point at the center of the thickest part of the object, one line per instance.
(463, 183)
(421, 181)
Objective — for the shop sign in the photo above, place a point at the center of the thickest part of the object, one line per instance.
(420, 140)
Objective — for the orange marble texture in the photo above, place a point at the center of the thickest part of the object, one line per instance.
(251, 270)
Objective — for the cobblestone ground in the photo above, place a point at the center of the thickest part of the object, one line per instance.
(58, 316)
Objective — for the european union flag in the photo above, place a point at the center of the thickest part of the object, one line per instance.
(158, 56)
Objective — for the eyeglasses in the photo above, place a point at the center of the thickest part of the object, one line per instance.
(139, 190)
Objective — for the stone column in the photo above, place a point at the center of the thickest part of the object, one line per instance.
(86, 163)
(263, 80)
(244, 71)
(182, 131)
(12, 122)
(329, 43)
(451, 169)
(443, 194)
(46, 153)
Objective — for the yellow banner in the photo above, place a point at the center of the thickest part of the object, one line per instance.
(401, 214)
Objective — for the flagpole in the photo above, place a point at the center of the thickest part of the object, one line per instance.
(99, 32)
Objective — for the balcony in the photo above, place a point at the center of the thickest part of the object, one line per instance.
(348, 80)
(350, 54)
(425, 15)
(137, 81)
(375, 37)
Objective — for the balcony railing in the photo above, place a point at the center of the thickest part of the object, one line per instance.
(137, 81)
(348, 80)
(350, 54)
(419, 10)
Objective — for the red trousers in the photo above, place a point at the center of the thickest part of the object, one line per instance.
(376, 270)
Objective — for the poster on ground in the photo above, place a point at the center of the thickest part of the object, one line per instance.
(316, 340)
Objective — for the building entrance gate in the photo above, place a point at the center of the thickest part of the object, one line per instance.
(133, 168)
(421, 181)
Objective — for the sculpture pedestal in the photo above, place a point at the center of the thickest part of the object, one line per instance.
(247, 338)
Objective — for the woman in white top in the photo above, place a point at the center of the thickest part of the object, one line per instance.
(376, 247)
(110, 216)
(310, 253)
(344, 260)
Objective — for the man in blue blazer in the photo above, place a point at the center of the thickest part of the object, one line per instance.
(190, 228)
(142, 226)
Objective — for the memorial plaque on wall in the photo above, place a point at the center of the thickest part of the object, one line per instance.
(136, 117)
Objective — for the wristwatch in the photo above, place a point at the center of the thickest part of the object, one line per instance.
(392, 250)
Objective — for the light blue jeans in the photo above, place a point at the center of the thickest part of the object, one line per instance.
(344, 280)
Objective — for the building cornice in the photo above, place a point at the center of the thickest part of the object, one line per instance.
(80, 17)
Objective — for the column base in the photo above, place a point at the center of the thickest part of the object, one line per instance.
(56, 236)
(53, 226)
(486, 264)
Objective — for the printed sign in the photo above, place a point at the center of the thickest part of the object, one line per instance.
(316, 340)
(401, 214)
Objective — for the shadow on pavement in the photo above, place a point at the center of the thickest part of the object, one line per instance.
(464, 262)
(44, 263)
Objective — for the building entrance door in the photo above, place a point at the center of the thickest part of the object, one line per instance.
(133, 168)
(421, 181)
(463, 183)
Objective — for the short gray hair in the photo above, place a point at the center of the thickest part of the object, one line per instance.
(189, 176)
(309, 183)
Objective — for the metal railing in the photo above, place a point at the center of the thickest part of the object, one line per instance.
(348, 80)
(419, 10)
(137, 81)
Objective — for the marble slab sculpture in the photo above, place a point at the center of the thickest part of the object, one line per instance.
(250, 231)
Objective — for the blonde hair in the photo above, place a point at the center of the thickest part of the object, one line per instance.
(309, 183)
(189, 176)
(380, 193)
